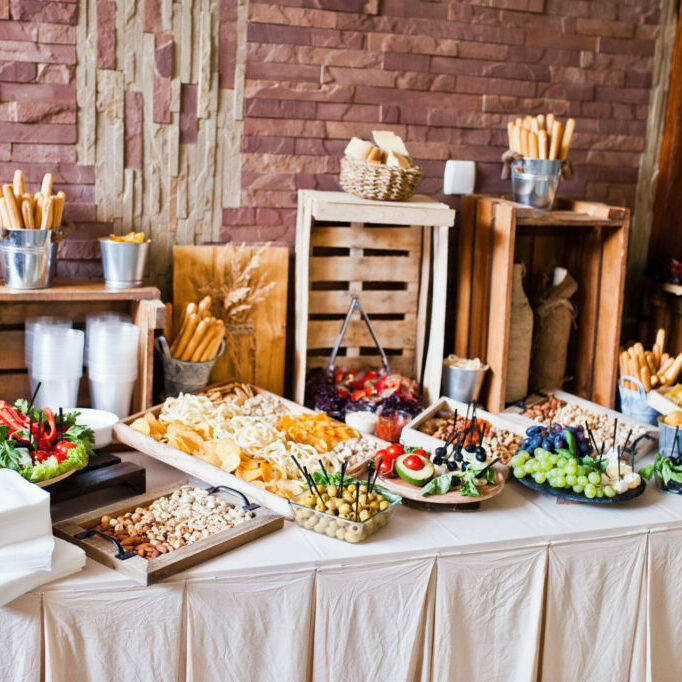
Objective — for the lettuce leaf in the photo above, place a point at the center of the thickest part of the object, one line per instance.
(14, 458)
(51, 468)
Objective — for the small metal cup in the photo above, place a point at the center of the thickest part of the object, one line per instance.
(666, 438)
(28, 267)
(461, 383)
(535, 182)
(123, 263)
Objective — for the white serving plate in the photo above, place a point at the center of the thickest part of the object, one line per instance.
(645, 446)
(413, 437)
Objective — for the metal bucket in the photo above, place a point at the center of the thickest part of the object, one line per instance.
(535, 182)
(460, 383)
(633, 404)
(184, 377)
(123, 263)
(28, 267)
(666, 438)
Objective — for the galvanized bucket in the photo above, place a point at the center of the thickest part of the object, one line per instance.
(461, 383)
(184, 377)
(123, 263)
(28, 258)
(535, 182)
(666, 438)
(633, 403)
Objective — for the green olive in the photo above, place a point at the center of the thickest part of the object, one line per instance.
(383, 505)
(344, 509)
(351, 488)
(364, 515)
(331, 490)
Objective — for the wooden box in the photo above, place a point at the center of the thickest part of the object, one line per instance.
(146, 571)
(589, 239)
(76, 300)
(387, 254)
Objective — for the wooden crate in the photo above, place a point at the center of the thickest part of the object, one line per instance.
(589, 239)
(388, 254)
(76, 299)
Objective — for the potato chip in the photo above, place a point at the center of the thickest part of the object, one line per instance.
(142, 425)
(318, 430)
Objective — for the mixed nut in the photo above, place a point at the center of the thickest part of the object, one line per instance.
(173, 521)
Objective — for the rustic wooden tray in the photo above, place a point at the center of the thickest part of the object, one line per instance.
(146, 571)
(208, 472)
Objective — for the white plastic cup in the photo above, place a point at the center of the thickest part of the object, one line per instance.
(111, 396)
(57, 353)
(56, 393)
(113, 344)
(101, 318)
(33, 323)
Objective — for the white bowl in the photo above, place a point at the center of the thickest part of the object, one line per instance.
(100, 421)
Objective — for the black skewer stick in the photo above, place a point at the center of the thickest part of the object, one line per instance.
(615, 431)
(339, 492)
(369, 476)
(40, 425)
(625, 447)
(298, 466)
(376, 473)
(592, 438)
(61, 424)
(619, 451)
(675, 442)
(482, 471)
(30, 430)
(324, 471)
(33, 397)
(311, 483)
(357, 500)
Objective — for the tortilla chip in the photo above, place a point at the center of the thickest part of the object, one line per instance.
(142, 425)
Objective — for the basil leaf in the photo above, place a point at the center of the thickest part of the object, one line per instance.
(438, 486)
(4, 432)
(647, 472)
(14, 458)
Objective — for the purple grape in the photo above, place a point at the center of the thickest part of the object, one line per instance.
(556, 428)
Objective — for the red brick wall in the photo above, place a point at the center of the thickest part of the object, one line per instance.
(444, 75)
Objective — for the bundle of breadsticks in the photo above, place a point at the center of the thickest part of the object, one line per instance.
(540, 137)
(199, 333)
(40, 211)
(654, 368)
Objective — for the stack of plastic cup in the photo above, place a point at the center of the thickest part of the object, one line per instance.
(101, 317)
(112, 364)
(57, 365)
(33, 323)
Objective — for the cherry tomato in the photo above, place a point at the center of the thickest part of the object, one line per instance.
(385, 463)
(395, 450)
(420, 452)
(64, 446)
(41, 455)
(413, 462)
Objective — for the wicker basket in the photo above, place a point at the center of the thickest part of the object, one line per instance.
(377, 181)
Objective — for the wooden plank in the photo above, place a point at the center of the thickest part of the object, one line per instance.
(77, 311)
(481, 273)
(502, 267)
(78, 290)
(12, 344)
(419, 210)
(148, 316)
(363, 237)
(465, 285)
(259, 357)
(421, 319)
(395, 334)
(403, 363)
(302, 249)
(373, 301)
(150, 571)
(15, 385)
(369, 268)
(614, 263)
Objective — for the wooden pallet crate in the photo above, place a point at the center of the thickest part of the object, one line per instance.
(393, 257)
(589, 239)
(76, 300)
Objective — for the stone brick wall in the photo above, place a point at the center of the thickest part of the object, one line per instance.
(198, 120)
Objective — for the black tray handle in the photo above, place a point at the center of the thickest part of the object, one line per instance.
(248, 506)
(122, 555)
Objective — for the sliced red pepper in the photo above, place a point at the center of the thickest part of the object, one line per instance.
(358, 395)
(339, 376)
(371, 374)
(49, 426)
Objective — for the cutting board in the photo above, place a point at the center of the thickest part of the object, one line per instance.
(258, 355)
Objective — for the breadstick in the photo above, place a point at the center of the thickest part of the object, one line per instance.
(13, 212)
(541, 122)
(674, 370)
(187, 311)
(213, 348)
(517, 139)
(59, 201)
(510, 134)
(168, 329)
(48, 213)
(660, 338)
(46, 186)
(205, 306)
(185, 336)
(533, 145)
(649, 357)
(534, 126)
(205, 340)
(524, 141)
(38, 209)
(194, 340)
(526, 122)
(656, 350)
(549, 123)
(18, 184)
(556, 140)
(27, 214)
(645, 376)
(542, 144)
(665, 366)
(654, 380)
(566, 139)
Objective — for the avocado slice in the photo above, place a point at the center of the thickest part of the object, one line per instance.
(416, 477)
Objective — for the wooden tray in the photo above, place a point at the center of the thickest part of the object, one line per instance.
(146, 571)
(450, 501)
(208, 472)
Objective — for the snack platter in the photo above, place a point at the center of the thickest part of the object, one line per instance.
(576, 497)
(149, 561)
(646, 435)
(201, 469)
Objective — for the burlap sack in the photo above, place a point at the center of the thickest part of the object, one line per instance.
(520, 339)
(554, 317)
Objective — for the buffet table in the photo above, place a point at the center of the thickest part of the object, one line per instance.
(522, 590)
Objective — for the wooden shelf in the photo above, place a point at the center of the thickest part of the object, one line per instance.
(496, 233)
(78, 290)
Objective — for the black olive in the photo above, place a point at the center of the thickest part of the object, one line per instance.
(471, 448)
(440, 451)
(459, 457)
(437, 460)
(451, 465)
(481, 456)
(455, 482)
(465, 465)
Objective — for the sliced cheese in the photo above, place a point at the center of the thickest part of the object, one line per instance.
(358, 149)
(390, 142)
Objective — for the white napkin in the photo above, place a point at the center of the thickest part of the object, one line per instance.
(30, 555)
(24, 509)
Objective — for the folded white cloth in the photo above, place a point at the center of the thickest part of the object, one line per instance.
(24, 509)
(66, 559)
(30, 555)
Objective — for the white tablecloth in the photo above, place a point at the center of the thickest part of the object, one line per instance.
(523, 589)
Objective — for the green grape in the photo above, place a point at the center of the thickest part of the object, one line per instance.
(518, 460)
(539, 477)
(582, 480)
(561, 463)
(590, 490)
(582, 470)
(546, 466)
(519, 472)
(577, 488)
(600, 492)
(572, 468)
(553, 458)
(609, 491)
(560, 482)
(594, 477)
(571, 479)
